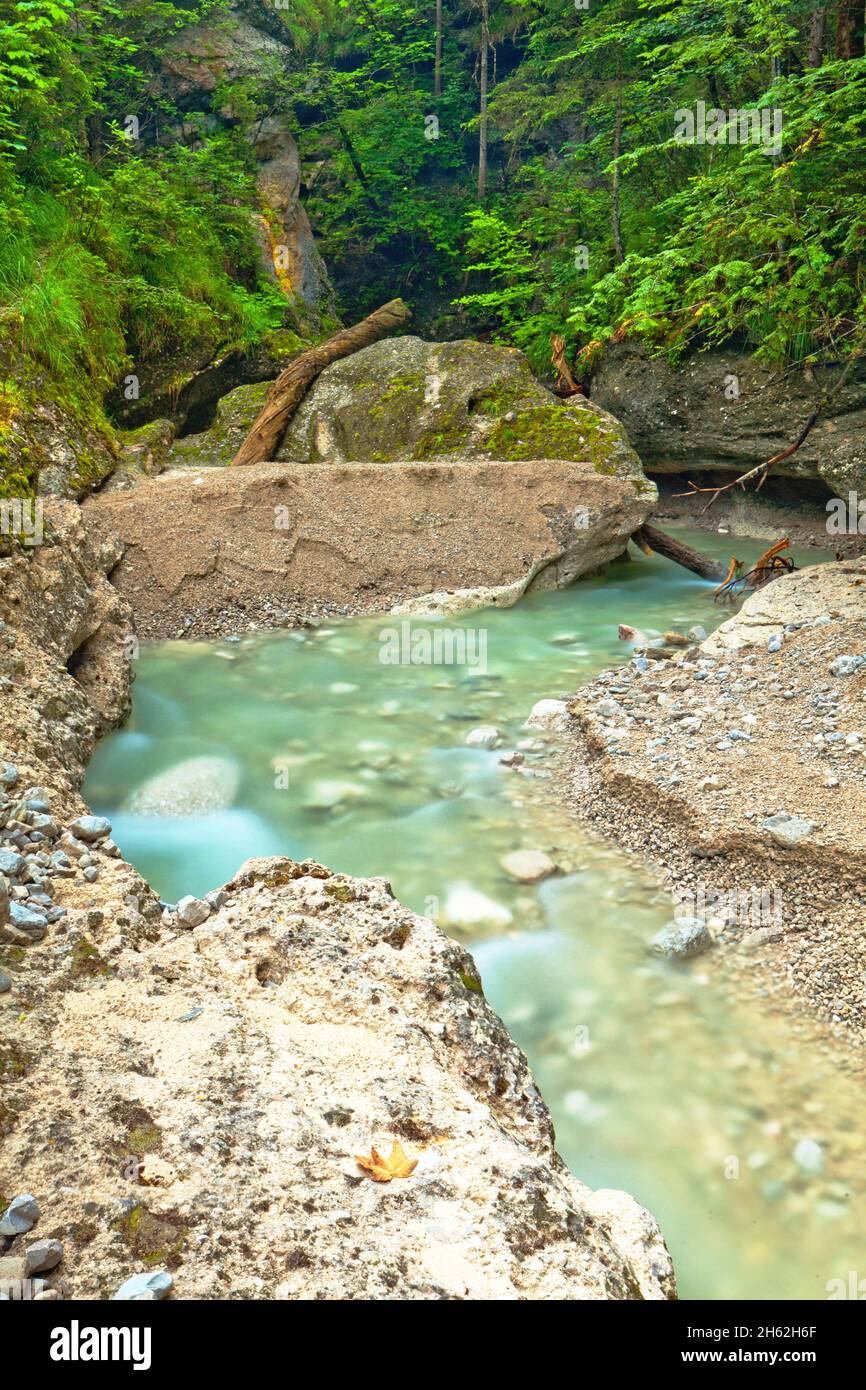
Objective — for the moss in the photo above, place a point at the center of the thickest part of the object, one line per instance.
(472, 980)
(142, 1135)
(14, 1064)
(154, 1240)
(548, 432)
(86, 960)
(342, 891)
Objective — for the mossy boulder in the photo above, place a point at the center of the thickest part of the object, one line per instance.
(217, 446)
(406, 399)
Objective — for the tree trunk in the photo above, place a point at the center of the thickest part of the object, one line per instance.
(815, 47)
(849, 29)
(482, 109)
(614, 192)
(437, 78)
(288, 390)
(681, 554)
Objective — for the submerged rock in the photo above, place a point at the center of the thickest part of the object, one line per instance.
(683, 938)
(197, 787)
(528, 865)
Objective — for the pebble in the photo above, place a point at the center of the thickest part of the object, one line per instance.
(21, 1213)
(43, 1255)
(683, 938)
(91, 828)
(787, 830)
(191, 912)
(846, 665)
(145, 1288)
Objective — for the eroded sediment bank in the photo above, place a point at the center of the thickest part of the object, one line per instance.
(738, 769)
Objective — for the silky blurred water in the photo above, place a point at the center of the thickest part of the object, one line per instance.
(658, 1083)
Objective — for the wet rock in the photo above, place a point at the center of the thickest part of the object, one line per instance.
(683, 938)
(528, 865)
(21, 1213)
(196, 787)
(145, 1288)
(485, 736)
(468, 907)
(809, 1155)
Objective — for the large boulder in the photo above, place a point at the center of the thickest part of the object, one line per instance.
(723, 410)
(407, 399)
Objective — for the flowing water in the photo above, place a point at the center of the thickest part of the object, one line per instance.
(307, 743)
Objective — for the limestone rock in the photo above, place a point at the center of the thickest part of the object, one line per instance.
(329, 1018)
(680, 418)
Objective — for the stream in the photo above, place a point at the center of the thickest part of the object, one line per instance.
(737, 1128)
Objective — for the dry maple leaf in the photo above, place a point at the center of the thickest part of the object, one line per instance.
(396, 1165)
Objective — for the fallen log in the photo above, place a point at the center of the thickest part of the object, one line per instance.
(291, 385)
(704, 565)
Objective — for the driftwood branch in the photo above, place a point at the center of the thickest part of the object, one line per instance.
(291, 385)
(649, 538)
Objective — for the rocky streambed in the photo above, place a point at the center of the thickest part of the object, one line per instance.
(187, 1103)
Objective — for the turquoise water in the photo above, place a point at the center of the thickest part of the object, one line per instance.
(307, 743)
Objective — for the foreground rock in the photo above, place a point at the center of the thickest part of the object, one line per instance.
(327, 1019)
(277, 543)
(739, 768)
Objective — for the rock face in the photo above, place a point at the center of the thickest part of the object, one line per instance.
(216, 446)
(65, 648)
(243, 39)
(188, 1093)
(405, 399)
(277, 542)
(684, 419)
